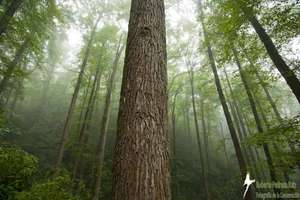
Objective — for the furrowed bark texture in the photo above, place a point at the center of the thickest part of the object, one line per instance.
(141, 168)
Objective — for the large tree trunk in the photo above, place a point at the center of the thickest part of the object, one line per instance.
(288, 74)
(65, 133)
(236, 144)
(141, 168)
(203, 171)
(255, 115)
(8, 14)
(100, 150)
(12, 65)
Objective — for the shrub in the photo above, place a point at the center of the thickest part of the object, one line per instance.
(16, 169)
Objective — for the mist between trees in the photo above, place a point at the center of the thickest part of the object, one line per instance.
(149, 99)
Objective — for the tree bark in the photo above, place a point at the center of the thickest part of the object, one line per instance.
(65, 133)
(100, 150)
(12, 66)
(288, 74)
(8, 15)
(255, 115)
(141, 168)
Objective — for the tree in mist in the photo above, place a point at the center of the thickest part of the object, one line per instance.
(142, 123)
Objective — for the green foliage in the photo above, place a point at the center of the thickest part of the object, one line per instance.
(288, 130)
(58, 188)
(285, 138)
(16, 169)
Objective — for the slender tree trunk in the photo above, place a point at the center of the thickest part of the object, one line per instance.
(288, 74)
(256, 116)
(82, 165)
(65, 133)
(237, 110)
(85, 122)
(100, 150)
(8, 15)
(173, 119)
(236, 144)
(83, 104)
(205, 139)
(12, 66)
(141, 167)
(187, 117)
(261, 82)
(224, 145)
(237, 147)
(267, 124)
(206, 190)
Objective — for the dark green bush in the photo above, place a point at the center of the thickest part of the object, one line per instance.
(16, 169)
(58, 188)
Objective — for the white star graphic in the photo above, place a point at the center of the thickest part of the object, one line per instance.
(248, 182)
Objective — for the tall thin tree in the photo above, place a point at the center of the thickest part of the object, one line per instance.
(65, 133)
(286, 72)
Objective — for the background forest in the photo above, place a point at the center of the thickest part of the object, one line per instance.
(233, 96)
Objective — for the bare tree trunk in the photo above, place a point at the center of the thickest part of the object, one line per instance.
(256, 116)
(141, 167)
(288, 74)
(65, 133)
(12, 66)
(206, 190)
(8, 14)
(100, 150)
